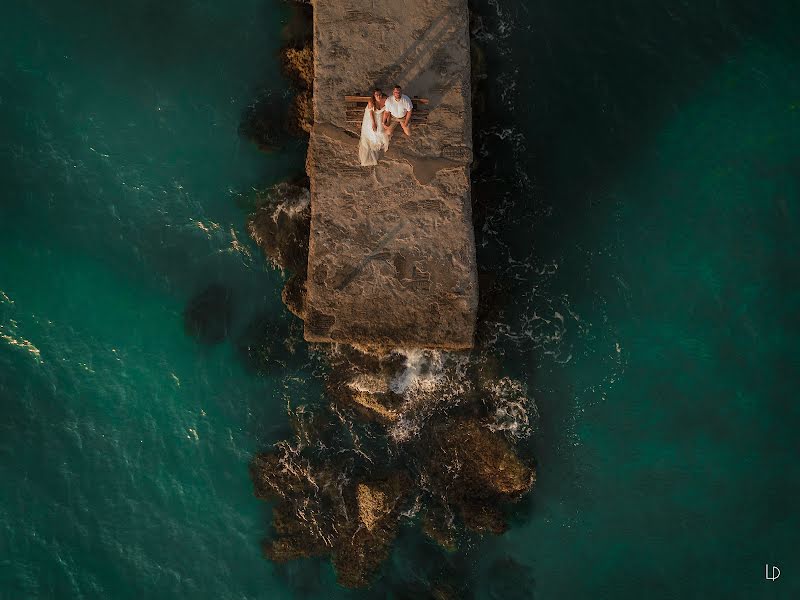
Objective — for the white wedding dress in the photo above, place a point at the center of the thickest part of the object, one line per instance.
(372, 142)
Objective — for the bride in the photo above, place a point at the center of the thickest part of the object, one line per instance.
(373, 136)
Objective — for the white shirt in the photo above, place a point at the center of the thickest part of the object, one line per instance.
(399, 108)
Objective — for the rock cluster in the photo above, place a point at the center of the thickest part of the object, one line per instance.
(298, 66)
(318, 513)
(342, 494)
(268, 121)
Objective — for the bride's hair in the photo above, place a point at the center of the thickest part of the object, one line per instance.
(371, 100)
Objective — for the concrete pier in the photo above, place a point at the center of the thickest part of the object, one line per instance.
(392, 254)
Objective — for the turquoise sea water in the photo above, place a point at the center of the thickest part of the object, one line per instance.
(640, 167)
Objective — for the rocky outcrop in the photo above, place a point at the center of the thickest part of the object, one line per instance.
(269, 121)
(453, 471)
(280, 227)
(298, 67)
(360, 381)
(317, 514)
(476, 470)
(301, 113)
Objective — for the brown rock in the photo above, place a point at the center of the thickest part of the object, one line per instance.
(491, 466)
(360, 380)
(375, 408)
(298, 66)
(293, 539)
(280, 226)
(475, 470)
(353, 522)
(301, 114)
(294, 295)
(299, 28)
(372, 504)
(359, 551)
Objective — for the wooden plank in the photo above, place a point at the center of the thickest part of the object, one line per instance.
(358, 118)
(363, 106)
(364, 99)
(360, 112)
(413, 121)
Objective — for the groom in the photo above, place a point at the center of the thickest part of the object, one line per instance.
(398, 112)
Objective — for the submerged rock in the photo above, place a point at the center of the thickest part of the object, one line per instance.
(438, 524)
(299, 28)
(207, 315)
(457, 472)
(280, 226)
(264, 122)
(508, 579)
(269, 345)
(479, 76)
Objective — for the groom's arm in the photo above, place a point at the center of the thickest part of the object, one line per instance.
(409, 108)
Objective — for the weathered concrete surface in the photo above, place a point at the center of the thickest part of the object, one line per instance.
(392, 254)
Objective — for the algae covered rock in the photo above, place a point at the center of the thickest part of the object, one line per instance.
(272, 118)
(489, 467)
(280, 226)
(374, 503)
(301, 114)
(294, 295)
(476, 471)
(457, 472)
(298, 65)
(365, 542)
(320, 514)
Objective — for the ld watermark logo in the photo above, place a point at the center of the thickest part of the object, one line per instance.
(772, 573)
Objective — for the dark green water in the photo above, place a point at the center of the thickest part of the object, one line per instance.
(641, 165)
